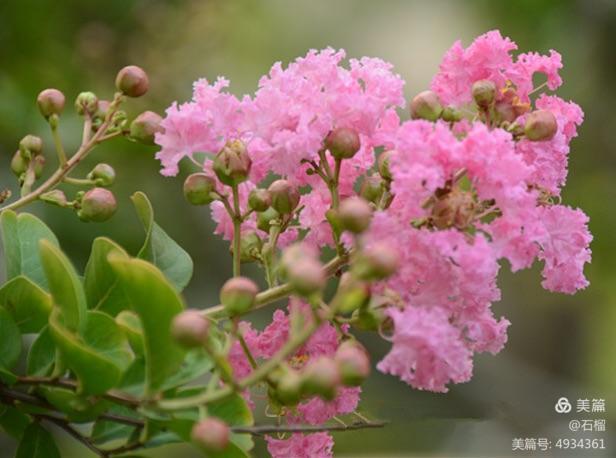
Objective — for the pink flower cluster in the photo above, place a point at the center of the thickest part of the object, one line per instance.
(466, 193)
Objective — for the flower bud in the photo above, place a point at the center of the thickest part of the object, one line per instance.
(190, 329)
(55, 197)
(454, 209)
(50, 101)
(540, 125)
(351, 294)
(198, 188)
(383, 164)
(232, 164)
(102, 175)
(211, 435)
(369, 319)
(38, 164)
(505, 111)
(426, 105)
(265, 219)
(371, 189)
(376, 262)
(103, 108)
(98, 204)
(321, 377)
(355, 215)
(484, 93)
(19, 164)
(353, 363)
(306, 276)
(285, 197)
(250, 246)
(450, 114)
(259, 199)
(30, 145)
(145, 126)
(132, 81)
(86, 103)
(238, 295)
(289, 388)
(343, 143)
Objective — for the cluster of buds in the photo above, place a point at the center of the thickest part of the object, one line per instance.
(28, 161)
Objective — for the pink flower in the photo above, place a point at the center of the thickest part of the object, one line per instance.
(317, 411)
(427, 352)
(239, 362)
(316, 445)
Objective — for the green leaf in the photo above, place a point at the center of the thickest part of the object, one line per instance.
(196, 364)
(105, 431)
(37, 442)
(160, 249)
(131, 325)
(13, 421)
(64, 284)
(156, 302)
(28, 303)
(42, 354)
(78, 409)
(100, 281)
(20, 236)
(232, 409)
(10, 340)
(99, 357)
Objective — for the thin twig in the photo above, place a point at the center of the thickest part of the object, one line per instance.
(269, 429)
(72, 432)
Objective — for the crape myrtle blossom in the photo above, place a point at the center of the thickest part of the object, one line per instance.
(470, 181)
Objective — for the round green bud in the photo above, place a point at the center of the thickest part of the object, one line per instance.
(355, 215)
(383, 164)
(211, 435)
(132, 81)
(376, 262)
(289, 388)
(353, 363)
(38, 164)
(30, 145)
(19, 164)
(321, 377)
(259, 199)
(484, 93)
(426, 105)
(265, 219)
(198, 189)
(86, 103)
(145, 127)
(238, 295)
(369, 319)
(190, 329)
(250, 246)
(371, 189)
(306, 276)
(50, 102)
(102, 175)
(450, 114)
(97, 204)
(540, 125)
(285, 197)
(232, 164)
(343, 143)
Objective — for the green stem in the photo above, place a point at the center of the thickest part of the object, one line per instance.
(237, 227)
(55, 133)
(78, 181)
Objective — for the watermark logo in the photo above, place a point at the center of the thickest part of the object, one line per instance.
(563, 405)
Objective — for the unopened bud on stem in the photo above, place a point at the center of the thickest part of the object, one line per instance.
(289, 388)
(238, 295)
(198, 189)
(343, 143)
(426, 105)
(102, 175)
(190, 329)
(259, 199)
(484, 93)
(30, 145)
(371, 189)
(211, 435)
(285, 197)
(354, 215)
(86, 103)
(50, 102)
(383, 164)
(232, 164)
(321, 377)
(376, 262)
(540, 125)
(132, 81)
(19, 165)
(145, 126)
(353, 363)
(98, 204)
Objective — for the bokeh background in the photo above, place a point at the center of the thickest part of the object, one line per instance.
(558, 345)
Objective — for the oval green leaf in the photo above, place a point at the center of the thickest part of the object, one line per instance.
(27, 302)
(37, 442)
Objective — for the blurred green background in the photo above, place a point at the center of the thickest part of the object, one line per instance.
(558, 345)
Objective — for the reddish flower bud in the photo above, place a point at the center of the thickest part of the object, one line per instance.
(238, 295)
(232, 164)
(30, 145)
(484, 93)
(376, 262)
(19, 164)
(426, 105)
(190, 328)
(355, 215)
(371, 189)
(289, 388)
(259, 199)
(98, 204)
(38, 164)
(86, 103)
(285, 197)
(102, 175)
(343, 143)
(505, 111)
(211, 435)
(265, 219)
(540, 125)
(321, 377)
(353, 363)
(50, 102)
(145, 126)
(383, 164)
(198, 189)
(303, 270)
(132, 81)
